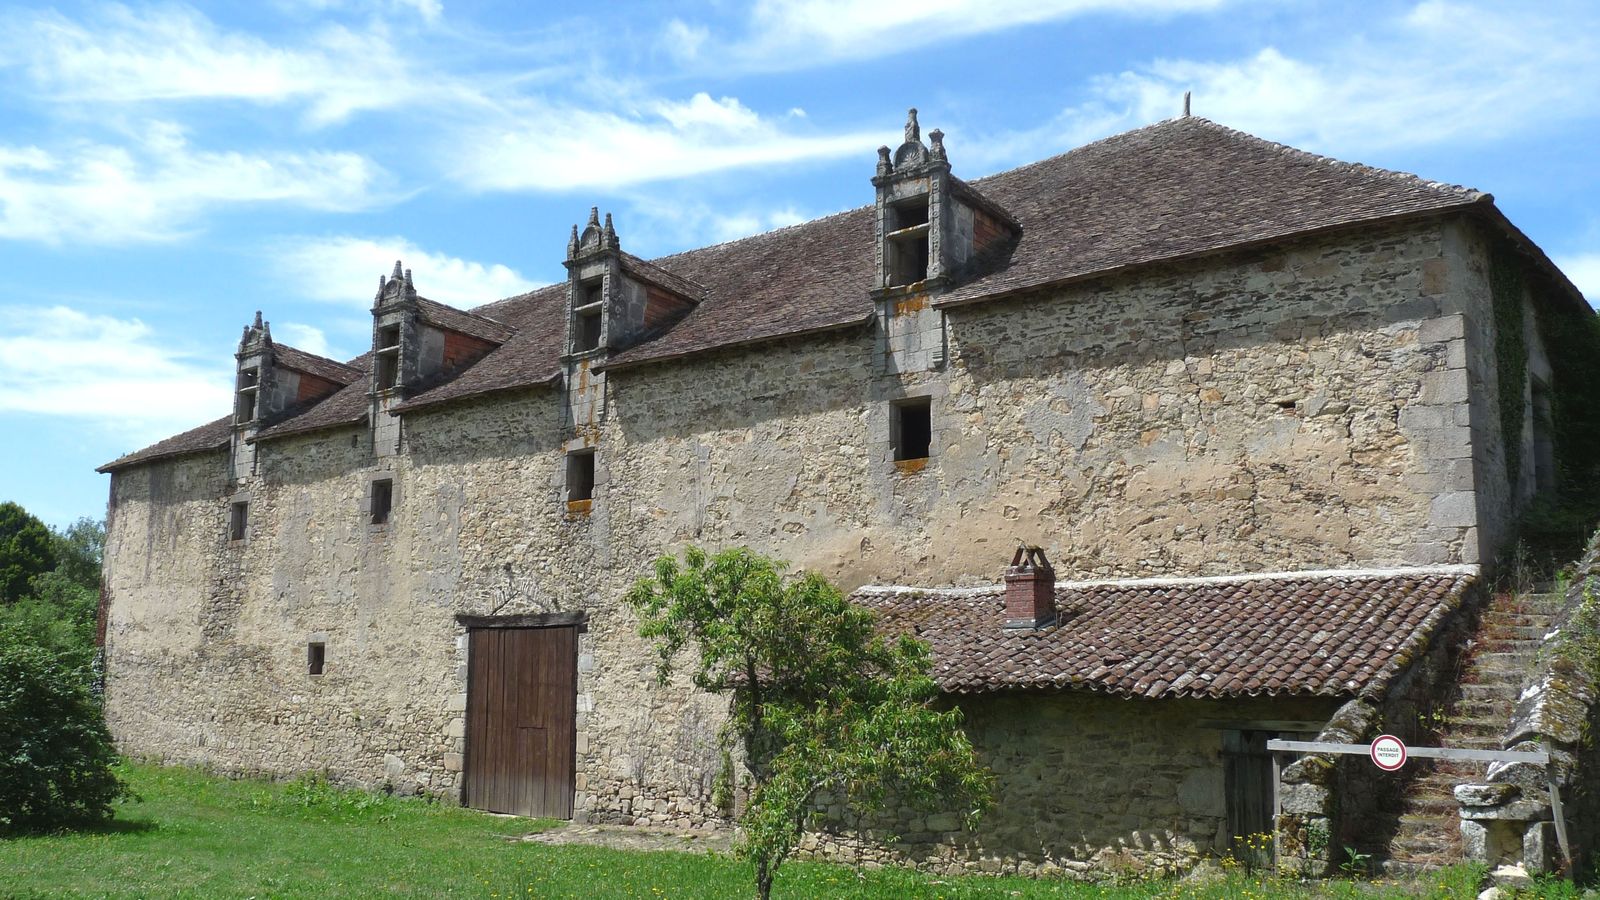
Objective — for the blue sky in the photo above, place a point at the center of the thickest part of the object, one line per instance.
(167, 169)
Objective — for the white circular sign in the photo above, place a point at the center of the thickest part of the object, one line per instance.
(1388, 752)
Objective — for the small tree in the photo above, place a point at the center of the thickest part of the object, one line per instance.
(820, 702)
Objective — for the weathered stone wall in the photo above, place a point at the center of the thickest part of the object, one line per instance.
(1274, 410)
(1088, 786)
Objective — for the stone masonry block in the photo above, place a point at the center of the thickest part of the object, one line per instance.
(1457, 508)
(1449, 386)
(1442, 328)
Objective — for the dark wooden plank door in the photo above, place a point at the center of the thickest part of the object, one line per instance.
(1247, 780)
(522, 705)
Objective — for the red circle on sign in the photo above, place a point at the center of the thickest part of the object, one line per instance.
(1388, 752)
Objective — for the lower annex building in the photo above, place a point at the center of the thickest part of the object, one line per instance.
(1247, 399)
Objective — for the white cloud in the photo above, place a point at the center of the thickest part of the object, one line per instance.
(790, 34)
(174, 53)
(156, 187)
(671, 223)
(345, 269)
(1584, 271)
(1441, 72)
(309, 338)
(58, 361)
(545, 148)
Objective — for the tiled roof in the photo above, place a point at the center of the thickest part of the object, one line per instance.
(1180, 188)
(210, 436)
(463, 322)
(1308, 633)
(320, 366)
(529, 357)
(1168, 191)
(346, 406)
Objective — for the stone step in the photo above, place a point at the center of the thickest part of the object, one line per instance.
(1487, 691)
(1517, 619)
(1501, 661)
(1495, 708)
(1498, 631)
(1462, 726)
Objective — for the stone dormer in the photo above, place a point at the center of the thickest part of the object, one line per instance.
(417, 342)
(272, 379)
(933, 229)
(615, 299)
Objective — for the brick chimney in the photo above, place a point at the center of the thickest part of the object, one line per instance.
(1030, 589)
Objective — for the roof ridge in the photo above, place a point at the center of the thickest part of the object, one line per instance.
(317, 356)
(1363, 168)
(1162, 581)
(760, 234)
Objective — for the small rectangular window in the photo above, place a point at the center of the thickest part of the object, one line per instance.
(590, 293)
(238, 520)
(387, 357)
(249, 388)
(911, 429)
(905, 248)
(382, 500)
(586, 331)
(580, 475)
(316, 655)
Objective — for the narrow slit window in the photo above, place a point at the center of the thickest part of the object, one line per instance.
(316, 655)
(238, 520)
(382, 500)
(912, 429)
(580, 475)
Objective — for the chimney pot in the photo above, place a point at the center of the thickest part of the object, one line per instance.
(1030, 589)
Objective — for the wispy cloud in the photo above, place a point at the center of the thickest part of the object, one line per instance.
(1441, 72)
(309, 338)
(345, 269)
(176, 53)
(156, 187)
(544, 148)
(669, 223)
(795, 34)
(61, 362)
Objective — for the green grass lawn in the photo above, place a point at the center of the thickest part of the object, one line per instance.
(195, 835)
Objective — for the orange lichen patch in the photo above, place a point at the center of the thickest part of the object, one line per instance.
(578, 507)
(911, 466)
(1149, 436)
(911, 304)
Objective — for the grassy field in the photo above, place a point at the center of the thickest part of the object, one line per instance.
(194, 835)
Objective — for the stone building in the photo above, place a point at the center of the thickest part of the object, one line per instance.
(1247, 400)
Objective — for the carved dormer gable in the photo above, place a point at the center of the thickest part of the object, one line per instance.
(394, 339)
(417, 341)
(615, 299)
(255, 382)
(932, 228)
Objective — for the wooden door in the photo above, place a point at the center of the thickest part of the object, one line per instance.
(522, 704)
(1247, 777)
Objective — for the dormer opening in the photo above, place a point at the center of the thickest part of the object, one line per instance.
(905, 249)
(387, 358)
(248, 391)
(588, 300)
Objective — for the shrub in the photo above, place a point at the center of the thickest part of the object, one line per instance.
(56, 756)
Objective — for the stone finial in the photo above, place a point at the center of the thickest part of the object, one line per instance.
(408, 278)
(397, 272)
(382, 280)
(257, 323)
(937, 137)
(1186, 104)
(266, 330)
(594, 217)
(572, 243)
(883, 161)
(608, 235)
(913, 130)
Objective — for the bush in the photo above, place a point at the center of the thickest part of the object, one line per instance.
(56, 756)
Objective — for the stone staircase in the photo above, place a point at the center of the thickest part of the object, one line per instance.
(1509, 635)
